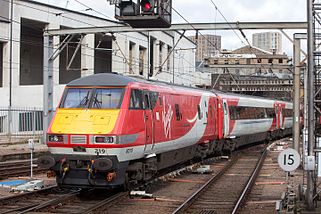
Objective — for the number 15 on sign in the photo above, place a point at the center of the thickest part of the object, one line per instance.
(289, 160)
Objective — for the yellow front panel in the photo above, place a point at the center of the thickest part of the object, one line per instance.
(84, 121)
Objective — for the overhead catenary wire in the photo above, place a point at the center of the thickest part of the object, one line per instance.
(57, 14)
(242, 33)
(226, 21)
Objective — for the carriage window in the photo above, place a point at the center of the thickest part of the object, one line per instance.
(178, 114)
(76, 98)
(136, 99)
(270, 112)
(245, 113)
(199, 112)
(107, 98)
(288, 113)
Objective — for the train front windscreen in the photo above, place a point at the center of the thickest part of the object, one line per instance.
(96, 98)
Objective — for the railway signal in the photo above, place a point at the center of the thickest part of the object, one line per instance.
(147, 7)
(144, 13)
(127, 8)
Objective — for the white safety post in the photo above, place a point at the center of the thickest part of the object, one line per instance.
(31, 145)
(319, 157)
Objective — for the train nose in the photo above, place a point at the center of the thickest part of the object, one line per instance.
(46, 162)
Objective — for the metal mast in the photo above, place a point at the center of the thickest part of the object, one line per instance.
(314, 95)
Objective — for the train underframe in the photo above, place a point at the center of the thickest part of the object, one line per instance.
(86, 171)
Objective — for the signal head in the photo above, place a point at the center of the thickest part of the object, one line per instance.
(147, 6)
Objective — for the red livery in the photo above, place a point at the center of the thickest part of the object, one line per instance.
(111, 130)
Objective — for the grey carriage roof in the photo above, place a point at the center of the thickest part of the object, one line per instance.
(103, 79)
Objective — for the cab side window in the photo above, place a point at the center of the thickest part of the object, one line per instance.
(136, 99)
(153, 97)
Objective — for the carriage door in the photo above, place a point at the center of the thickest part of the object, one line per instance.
(149, 124)
(281, 116)
(278, 113)
(226, 120)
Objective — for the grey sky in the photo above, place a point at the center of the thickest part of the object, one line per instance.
(204, 11)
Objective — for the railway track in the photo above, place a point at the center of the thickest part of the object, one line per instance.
(55, 200)
(216, 192)
(25, 201)
(271, 184)
(226, 194)
(168, 193)
(17, 168)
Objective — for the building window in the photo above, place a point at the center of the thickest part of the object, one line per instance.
(281, 61)
(169, 58)
(131, 60)
(4, 11)
(161, 47)
(31, 52)
(270, 60)
(151, 56)
(259, 61)
(103, 53)
(142, 56)
(1, 64)
(67, 74)
(2, 119)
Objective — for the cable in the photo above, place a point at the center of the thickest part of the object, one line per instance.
(226, 21)
(92, 9)
(214, 45)
(57, 14)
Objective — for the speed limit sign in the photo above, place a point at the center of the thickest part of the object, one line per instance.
(289, 160)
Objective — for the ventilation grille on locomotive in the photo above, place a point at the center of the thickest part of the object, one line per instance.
(78, 139)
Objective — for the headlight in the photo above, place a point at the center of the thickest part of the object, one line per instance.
(56, 138)
(105, 139)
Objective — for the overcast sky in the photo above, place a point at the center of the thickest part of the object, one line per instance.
(204, 11)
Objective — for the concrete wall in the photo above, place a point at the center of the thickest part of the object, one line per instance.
(181, 63)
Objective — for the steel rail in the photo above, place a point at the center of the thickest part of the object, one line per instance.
(250, 182)
(52, 201)
(192, 198)
(11, 197)
(104, 202)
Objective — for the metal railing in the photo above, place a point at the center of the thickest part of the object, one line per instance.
(20, 123)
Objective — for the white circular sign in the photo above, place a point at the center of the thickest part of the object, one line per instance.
(289, 160)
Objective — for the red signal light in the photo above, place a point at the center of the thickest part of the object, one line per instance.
(147, 6)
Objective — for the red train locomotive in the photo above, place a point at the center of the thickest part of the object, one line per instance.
(111, 129)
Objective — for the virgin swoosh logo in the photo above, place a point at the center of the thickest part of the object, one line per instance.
(192, 120)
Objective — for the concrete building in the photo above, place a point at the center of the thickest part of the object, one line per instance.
(249, 61)
(250, 70)
(161, 55)
(21, 73)
(269, 41)
(207, 46)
